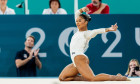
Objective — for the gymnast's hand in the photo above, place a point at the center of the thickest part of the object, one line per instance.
(112, 28)
(85, 9)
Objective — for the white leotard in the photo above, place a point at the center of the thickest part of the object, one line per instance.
(80, 40)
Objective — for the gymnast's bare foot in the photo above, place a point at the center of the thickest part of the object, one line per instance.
(123, 77)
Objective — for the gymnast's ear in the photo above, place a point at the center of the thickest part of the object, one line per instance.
(86, 22)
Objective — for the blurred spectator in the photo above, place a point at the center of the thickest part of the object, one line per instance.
(97, 7)
(133, 68)
(4, 8)
(55, 8)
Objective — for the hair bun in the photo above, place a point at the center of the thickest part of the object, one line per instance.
(86, 17)
(89, 18)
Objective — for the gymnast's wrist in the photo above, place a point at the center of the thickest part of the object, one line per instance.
(107, 30)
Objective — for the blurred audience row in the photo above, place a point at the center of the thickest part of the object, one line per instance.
(95, 7)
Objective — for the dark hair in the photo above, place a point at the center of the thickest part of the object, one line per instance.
(86, 17)
(54, 0)
(31, 37)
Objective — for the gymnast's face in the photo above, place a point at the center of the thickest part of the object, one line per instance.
(3, 2)
(81, 23)
(29, 42)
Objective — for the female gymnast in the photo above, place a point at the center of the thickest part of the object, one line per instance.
(79, 43)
